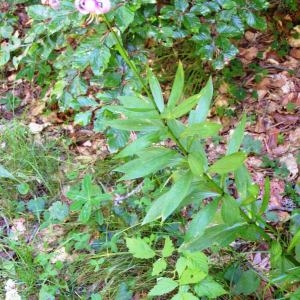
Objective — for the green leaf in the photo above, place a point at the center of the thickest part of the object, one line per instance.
(165, 205)
(200, 113)
(236, 138)
(209, 288)
(202, 130)
(197, 163)
(196, 260)
(199, 222)
(83, 118)
(168, 248)
(116, 139)
(221, 234)
(6, 174)
(85, 213)
(191, 276)
(230, 211)
(123, 292)
(36, 206)
(184, 296)
(177, 88)
(156, 91)
(39, 12)
(124, 16)
(181, 265)
(276, 254)
(159, 266)
(139, 248)
(23, 188)
(243, 182)
(142, 143)
(266, 196)
(58, 211)
(164, 286)
(147, 164)
(136, 125)
(295, 241)
(248, 283)
(4, 56)
(228, 163)
(255, 21)
(182, 108)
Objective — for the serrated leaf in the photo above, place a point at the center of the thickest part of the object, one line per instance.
(248, 283)
(202, 130)
(237, 137)
(200, 113)
(209, 288)
(177, 88)
(196, 260)
(184, 296)
(199, 222)
(168, 248)
(191, 276)
(156, 91)
(159, 266)
(147, 164)
(180, 266)
(168, 202)
(139, 248)
(228, 163)
(4, 173)
(164, 286)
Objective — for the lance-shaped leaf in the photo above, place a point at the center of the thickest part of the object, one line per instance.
(228, 163)
(139, 248)
(135, 125)
(230, 211)
(177, 88)
(237, 136)
(4, 173)
(166, 204)
(156, 91)
(221, 234)
(182, 108)
(142, 143)
(198, 163)
(203, 129)
(148, 162)
(198, 225)
(200, 113)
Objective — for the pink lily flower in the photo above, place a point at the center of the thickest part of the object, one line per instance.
(97, 7)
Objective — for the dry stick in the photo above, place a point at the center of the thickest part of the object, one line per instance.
(120, 198)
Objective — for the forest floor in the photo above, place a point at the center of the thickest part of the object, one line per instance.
(40, 142)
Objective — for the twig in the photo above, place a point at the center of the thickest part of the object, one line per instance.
(120, 198)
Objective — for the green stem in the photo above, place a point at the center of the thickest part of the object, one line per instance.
(123, 52)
